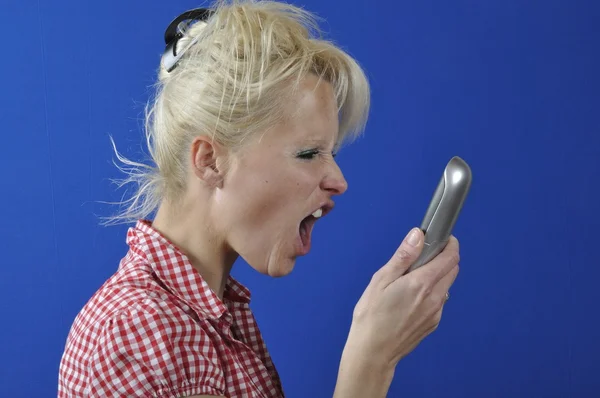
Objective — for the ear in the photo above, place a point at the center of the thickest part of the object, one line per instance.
(206, 156)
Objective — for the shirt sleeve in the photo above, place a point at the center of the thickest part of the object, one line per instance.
(143, 353)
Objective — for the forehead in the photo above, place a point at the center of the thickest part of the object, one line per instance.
(313, 115)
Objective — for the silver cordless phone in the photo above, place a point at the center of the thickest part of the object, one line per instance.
(444, 209)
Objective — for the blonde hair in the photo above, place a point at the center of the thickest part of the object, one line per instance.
(237, 70)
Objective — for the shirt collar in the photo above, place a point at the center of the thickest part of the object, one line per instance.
(175, 270)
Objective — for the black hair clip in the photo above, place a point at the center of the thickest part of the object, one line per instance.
(175, 31)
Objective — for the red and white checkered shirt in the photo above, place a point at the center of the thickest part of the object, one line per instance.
(156, 329)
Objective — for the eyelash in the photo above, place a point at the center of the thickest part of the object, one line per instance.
(310, 154)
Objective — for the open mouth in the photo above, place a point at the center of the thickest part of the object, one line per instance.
(307, 224)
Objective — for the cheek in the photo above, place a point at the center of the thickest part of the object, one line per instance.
(274, 202)
(269, 196)
(272, 186)
(261, 199)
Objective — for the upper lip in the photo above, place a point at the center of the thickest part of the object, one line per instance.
(326, 206)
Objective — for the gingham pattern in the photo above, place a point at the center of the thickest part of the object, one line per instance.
(156, 329)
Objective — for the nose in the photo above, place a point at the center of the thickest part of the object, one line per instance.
(334, 181)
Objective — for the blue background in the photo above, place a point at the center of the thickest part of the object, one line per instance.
(511, 86)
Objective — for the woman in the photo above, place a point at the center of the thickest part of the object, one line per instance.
(249, 113)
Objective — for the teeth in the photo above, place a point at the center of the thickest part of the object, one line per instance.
(318, 213)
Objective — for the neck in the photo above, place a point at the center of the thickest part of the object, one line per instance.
(190, 229)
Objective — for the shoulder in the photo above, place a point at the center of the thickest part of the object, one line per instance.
(136, 339)
(132, 289)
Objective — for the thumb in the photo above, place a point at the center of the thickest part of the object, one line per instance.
(408, 251)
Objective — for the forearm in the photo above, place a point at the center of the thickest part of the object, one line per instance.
(361, 375)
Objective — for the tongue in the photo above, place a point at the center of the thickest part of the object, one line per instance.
(305, 230)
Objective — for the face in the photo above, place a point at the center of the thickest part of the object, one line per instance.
(271, 189)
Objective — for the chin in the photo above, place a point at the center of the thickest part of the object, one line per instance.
(274, 269)
(276, 262)
(281, 268)
(280, 273)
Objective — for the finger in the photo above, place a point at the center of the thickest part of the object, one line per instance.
(439, 294)
(441, 265)
(443, 286)
(408, 251)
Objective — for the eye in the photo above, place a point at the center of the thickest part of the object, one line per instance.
(308, 155)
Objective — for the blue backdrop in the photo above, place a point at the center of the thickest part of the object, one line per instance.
(511, 86)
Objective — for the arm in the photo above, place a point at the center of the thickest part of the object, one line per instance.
(360, 377)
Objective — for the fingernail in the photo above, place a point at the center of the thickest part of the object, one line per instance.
(413, 237)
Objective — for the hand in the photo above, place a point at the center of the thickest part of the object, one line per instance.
(397, 311)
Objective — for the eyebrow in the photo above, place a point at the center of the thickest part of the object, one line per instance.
(317, 141)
